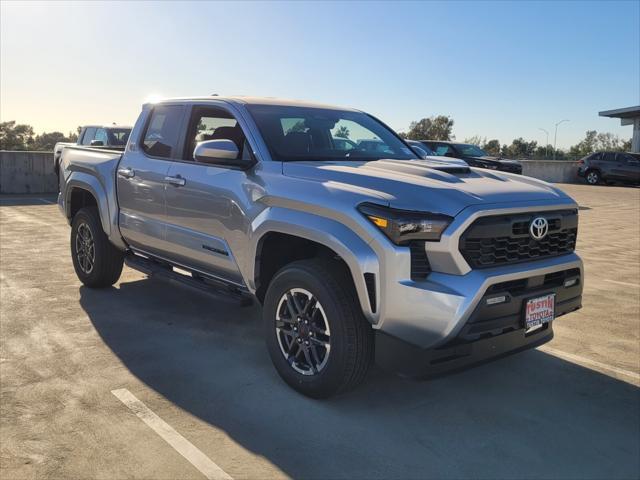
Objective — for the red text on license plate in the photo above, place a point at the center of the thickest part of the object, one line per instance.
(539, 310)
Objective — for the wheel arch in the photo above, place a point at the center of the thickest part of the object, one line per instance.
(83, 190)
(299, 230)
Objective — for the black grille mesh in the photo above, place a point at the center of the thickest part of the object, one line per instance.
(492, 241)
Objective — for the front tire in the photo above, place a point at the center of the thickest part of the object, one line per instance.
(318, 339)
(97, 262)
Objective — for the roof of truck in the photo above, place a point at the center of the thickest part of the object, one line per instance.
(255, 101)
(112, 126)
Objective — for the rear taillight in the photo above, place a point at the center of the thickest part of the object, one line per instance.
(580, 162)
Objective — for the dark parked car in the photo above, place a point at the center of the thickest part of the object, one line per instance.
(610, 167)
(473, 155)
(426, 153)
(420, 148)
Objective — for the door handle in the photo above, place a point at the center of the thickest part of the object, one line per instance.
(126, 172)
(177, 181)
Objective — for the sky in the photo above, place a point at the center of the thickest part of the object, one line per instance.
(500, 69)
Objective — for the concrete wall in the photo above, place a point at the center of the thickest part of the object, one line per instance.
(555, 171)
(32, 172)
(27, 172)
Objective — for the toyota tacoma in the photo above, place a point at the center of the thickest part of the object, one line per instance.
(356, 254)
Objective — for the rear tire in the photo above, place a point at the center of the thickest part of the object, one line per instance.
(593, 177)
(97, 262)
(339, 340)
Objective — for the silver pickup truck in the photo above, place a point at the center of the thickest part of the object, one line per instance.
(114, 137)
(355, 254)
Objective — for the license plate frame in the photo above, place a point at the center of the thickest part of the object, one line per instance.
(539, 311)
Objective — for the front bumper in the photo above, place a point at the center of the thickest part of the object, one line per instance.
(410, 361)
(431, 313)
(490, 331)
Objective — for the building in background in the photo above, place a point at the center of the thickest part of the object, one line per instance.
(628, 116)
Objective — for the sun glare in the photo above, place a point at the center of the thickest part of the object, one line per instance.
(153, 98)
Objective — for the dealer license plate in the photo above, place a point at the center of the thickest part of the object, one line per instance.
(539, 311)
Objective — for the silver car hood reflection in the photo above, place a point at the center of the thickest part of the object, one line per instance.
(429, 185)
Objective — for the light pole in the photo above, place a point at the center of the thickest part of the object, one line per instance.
(555, 137)
(546, 145)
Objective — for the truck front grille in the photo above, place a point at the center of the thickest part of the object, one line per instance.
(505, 239)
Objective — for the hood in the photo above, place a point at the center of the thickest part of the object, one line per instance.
(426, 185)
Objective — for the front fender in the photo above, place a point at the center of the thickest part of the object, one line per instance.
(356, 253)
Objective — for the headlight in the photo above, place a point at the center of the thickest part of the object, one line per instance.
(402, 226)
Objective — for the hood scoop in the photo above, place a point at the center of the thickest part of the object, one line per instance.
(451, 168)
(419, 167)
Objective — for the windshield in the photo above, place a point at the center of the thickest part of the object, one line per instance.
(318, 134)
(471, 150)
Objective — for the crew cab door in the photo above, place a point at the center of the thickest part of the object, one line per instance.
(207, 204)
(141, 178)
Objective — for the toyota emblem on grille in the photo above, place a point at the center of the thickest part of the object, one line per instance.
(539, 228)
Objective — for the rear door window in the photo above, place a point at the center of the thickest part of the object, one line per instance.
(162, 133)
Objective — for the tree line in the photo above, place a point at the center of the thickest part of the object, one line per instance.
(440, 127)
(15, 136)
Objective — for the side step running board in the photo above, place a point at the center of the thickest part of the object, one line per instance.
(203, 283)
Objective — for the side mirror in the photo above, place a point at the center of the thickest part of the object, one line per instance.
(97, 143)
(222, 152)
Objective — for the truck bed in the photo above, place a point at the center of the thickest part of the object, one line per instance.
(99, 162)
(92, 169)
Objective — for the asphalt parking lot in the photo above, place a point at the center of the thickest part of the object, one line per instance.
(570, 409)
